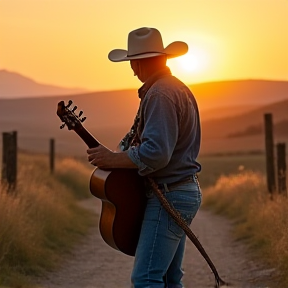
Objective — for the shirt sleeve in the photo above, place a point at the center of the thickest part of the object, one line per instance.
(159, 136)
(133, 154)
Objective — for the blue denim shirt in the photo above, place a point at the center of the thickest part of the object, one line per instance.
(170, 140)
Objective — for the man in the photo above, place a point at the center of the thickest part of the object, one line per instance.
(163, 144)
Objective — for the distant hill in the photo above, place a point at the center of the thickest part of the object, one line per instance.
(108, 118)
(110, 115)
(227, 111)
(239, 92)
(16, 85)
(280, 128)
(245, 132)
(250, 122)
(231, 95)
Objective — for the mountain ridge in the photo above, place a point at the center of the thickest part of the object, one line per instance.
(15, 85)
(239, 92)
(209, 95)
(35, 120)
(226, 108)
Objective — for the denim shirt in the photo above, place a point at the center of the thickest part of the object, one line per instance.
(170, 138)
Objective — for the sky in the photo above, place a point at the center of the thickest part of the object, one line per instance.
(66, 42)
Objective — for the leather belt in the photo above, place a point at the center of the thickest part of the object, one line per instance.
(170, 186)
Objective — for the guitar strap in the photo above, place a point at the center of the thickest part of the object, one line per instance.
(133, 138)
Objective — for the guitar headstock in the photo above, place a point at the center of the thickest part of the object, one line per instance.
(68, 116)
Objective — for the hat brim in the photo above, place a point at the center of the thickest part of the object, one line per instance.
(173, 50)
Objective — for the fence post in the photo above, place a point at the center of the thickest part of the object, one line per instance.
(52, 155)
(9, 160)
(269, 146)
(281, 168)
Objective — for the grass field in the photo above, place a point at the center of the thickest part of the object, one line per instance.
(216, 166)
(41, 220)
(259, 221)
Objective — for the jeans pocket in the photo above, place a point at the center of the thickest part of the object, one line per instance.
(185, 212)
(187, 204)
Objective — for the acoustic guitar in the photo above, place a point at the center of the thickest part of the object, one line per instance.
(120, 190)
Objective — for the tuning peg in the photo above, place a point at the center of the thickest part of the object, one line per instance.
(83, 119)
(80, 113)
(75, 107)
(69, 103)
(62, 126)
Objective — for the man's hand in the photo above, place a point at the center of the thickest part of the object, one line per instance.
(101, 156)
(104, 158)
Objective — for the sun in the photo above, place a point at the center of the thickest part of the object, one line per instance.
(194, 62)
(189, 63)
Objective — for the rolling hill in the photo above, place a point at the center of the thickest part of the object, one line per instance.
(210, 95)
(110, 115)
(15, 85)
(238, 93)
(244, 132)
(222, 128)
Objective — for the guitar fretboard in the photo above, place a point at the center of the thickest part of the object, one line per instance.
(87, 137)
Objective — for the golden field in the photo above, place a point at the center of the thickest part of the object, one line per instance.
(259, 221)
(41, 220)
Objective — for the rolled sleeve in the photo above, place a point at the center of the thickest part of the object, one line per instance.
(133, 154)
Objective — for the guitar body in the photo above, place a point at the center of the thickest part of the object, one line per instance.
(123, 205)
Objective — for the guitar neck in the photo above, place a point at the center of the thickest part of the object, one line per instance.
(87, 137)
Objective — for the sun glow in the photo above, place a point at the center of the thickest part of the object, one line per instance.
(194, 61)
(193, 64)
(221, 45)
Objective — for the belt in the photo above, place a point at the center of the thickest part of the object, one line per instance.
(170, 186)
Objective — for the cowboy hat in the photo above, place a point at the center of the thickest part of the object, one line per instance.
(145, 43)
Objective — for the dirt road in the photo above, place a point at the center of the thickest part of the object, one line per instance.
(94, 264)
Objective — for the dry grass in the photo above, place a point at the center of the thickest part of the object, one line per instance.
(40, 220)
(260, 221)
(75, 175)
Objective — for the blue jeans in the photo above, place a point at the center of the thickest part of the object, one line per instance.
(161, 245)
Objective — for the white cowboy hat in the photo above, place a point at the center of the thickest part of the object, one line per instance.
(145, 43)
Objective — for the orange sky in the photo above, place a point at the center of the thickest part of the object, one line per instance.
(66, 42)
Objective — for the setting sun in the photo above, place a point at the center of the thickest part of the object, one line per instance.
(193, 61)
(192, 65)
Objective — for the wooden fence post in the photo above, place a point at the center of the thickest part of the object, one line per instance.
(52, 155)
(269, 145)
(9, 160)
(281, 168)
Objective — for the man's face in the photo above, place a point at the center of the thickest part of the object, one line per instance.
(135, 65)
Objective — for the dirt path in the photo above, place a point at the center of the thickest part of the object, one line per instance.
(95, 265)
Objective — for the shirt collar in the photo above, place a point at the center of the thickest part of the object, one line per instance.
(151, 80)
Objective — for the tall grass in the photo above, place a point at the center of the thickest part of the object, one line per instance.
(75, 175)
(216, 166)
(260, 221)
(40, 220)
